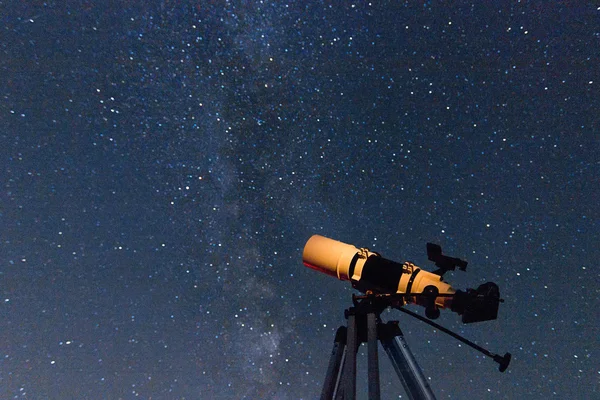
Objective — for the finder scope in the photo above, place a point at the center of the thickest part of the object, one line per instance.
(369, 272)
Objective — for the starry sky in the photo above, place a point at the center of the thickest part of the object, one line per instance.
(164, 162)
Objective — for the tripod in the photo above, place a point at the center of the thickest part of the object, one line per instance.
(365, 325)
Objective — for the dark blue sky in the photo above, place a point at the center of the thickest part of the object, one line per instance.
(165, 162)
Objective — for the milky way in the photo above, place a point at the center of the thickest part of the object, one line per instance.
(165, 162)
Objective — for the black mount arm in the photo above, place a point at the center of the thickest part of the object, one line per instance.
(384, 301)
(503, 361)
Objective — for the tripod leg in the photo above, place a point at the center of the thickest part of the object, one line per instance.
(372, 343)
(406, 366)
(335, 361)
(349, 369)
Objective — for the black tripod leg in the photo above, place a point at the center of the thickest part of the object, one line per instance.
(335, 361)
(372, 343)
(349, 370)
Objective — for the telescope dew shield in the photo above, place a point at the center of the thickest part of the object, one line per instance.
(332, 257)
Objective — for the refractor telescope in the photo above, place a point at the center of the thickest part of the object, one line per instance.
(370, 273)
(387, 284)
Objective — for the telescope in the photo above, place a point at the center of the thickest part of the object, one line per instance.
(368, 272)
(386, 284)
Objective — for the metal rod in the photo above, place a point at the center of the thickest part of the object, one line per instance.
(449, 332)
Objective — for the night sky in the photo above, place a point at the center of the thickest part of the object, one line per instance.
(163, 164)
